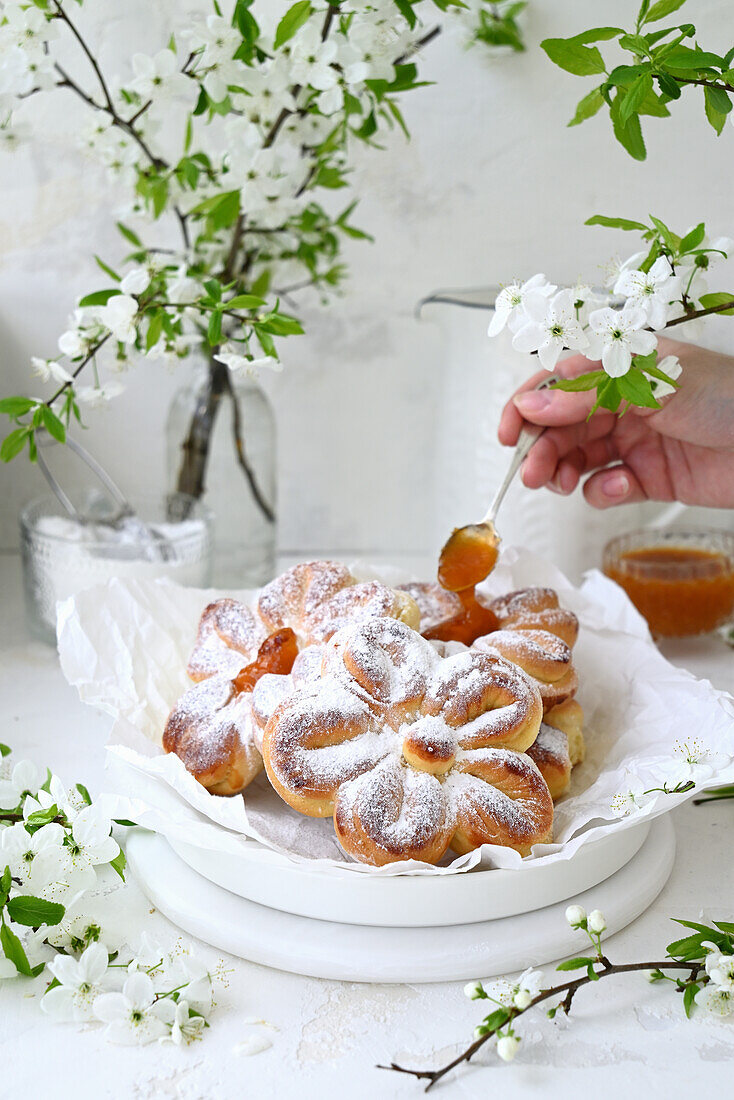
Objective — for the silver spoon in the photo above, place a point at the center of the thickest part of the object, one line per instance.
(470, 553)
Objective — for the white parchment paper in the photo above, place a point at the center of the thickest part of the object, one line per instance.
(650, 727)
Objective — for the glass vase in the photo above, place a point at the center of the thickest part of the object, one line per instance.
(221, 447)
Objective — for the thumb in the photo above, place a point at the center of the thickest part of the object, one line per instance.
(554, 408)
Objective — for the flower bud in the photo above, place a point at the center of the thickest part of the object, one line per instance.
(522, 999)
(576, 916)
(474, 991)
(507, 1047)
(480, 1031)
(597, 922)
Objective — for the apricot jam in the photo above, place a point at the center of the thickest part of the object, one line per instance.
(277, 654)
(472, 622)
(681, 587)
(468, 557)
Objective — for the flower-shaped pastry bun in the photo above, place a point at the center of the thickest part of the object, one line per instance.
(411, 753)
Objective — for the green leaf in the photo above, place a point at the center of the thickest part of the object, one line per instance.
(86, 796)
(688, 998)
(280, 324)
(661, 9)
(637, 389)
(669, 85)
(34, 912)
(628, 132)
(575, 964)
(574, 57)
(214, 329)
(725, 926)
(615, 223)
(688, 60)
(292, 21)
(587, 107)
(42, 817)
(693, 238)
(5, 750)
(129, 235)
(13, 444)
(712, 97)
(580, 384)
(17, 406)
(107, 269)
(245, 301)
(496, 1019)
(99, 297)
(667, 235)
(155, 328)
(6, 881)
(596, 34)
(13, 950)
(634, 96)
(406, 10)
(607, 395)
(52, 424)
(718, 298)
(126, 822)
(119, 863)
(591, 973)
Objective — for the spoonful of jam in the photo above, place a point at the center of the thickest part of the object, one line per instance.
(471, 552)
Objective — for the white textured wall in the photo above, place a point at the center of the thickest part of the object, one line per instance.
(492, 184)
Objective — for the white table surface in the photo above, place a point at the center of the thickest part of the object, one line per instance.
(624, 1038)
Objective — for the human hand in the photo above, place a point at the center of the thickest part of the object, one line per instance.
(684, 451)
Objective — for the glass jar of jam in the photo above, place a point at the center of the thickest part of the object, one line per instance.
(682, 582)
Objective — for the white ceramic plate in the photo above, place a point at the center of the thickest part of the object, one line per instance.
(413, 901)
(323, 949)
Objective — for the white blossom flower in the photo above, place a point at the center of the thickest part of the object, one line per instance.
(97, 396)
(24, 779)
(617, 335)
(576, 916)
(131, 1015)
(331, 101)
(216, 38)
(531, 981)
(631, 798)
(236, 362)
(551, 327)
(473, 990)
(652, 291)
(158, 77)
(596, 922)
(92, 918)
(90, 842)
(36, 859)
(185, 1028)
(507, 1047)
(49, 370)
(184, 968)
(82, 981)
(72, 343)
(512, 301)
(671, 366)
(722, 974)
(118, 317)
(312, 59)
(136, 281)
(714, 1000)
(27, 28)
(371, 49)
(7, 969)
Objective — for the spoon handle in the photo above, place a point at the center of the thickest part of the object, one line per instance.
(529, 433)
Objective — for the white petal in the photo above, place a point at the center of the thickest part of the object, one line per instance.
(59, 1002)
(111, 1007)
(93, 963)
(529, 337)
(138, 989)
(616, 359)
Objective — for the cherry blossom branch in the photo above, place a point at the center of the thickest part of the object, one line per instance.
(77, 371)
(721, 308)
(242, 459)
(567, 988)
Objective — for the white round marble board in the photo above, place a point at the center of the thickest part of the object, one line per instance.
(348, 952)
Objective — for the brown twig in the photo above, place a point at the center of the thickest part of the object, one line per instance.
(242, 458)
(567, 988)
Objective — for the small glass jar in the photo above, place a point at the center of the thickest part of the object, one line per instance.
(682, 582)
(62, 556)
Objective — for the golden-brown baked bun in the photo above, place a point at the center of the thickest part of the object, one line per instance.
(210, 730)
(550, 753)
(410, 752)
(536, 609)
(544, 656)
(569, 717)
